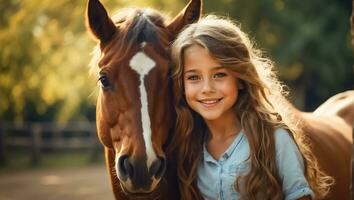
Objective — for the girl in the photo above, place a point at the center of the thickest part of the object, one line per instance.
(235, 136)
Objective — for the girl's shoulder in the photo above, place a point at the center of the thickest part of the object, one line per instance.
(282, 135)
(284, 142)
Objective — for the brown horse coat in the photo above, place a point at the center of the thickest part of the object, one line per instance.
(329, 128)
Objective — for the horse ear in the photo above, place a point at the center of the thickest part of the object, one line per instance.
(188, 15)
(98, 21)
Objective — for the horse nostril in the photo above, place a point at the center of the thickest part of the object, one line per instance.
(158, 167)
(125, 167)
(129, 167)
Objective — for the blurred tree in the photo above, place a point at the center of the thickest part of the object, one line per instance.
(352, 30)
(43, 61)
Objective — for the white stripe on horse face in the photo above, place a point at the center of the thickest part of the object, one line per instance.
(142, 64)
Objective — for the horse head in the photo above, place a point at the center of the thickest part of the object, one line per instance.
(134, 110)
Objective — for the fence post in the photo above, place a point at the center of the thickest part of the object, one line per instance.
(36, 142)
(95, 149)
(2, 144)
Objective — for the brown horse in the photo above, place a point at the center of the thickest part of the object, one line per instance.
(329, 129)
(135, 115)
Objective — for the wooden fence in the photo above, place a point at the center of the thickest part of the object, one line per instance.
(39, 136)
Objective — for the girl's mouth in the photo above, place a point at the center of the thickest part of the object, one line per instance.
(209, 102)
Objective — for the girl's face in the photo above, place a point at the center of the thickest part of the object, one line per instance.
(210, 89)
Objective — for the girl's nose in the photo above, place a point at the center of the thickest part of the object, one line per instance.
(207, 86)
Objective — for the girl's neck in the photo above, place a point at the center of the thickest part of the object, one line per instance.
(223, 127)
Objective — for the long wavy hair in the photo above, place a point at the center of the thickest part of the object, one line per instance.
(261, 107)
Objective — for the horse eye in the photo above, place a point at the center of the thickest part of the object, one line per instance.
(104, 81)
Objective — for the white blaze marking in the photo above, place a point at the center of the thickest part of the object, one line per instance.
(142, 45)
(142, 64)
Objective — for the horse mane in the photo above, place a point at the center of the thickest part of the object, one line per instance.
(135, 25)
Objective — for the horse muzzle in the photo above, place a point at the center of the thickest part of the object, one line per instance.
(136, 177)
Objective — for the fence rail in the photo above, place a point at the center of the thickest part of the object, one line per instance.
(50, 135)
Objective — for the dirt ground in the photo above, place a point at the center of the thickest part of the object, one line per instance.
(89, 183)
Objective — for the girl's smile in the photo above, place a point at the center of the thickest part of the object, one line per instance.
(210, 103)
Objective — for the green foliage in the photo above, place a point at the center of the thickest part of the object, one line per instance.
(44, 58)
(45, 50)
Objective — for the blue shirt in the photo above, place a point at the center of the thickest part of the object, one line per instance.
(216, 177)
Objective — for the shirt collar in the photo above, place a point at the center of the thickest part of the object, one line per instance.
(207, 156)
(227, 153)
(234, 144)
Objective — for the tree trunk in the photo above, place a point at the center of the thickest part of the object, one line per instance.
(352, 33)
(2, 144)
(352, 24)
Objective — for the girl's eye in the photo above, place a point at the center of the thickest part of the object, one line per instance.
(192, 77)
(220, 75)
(105, 84)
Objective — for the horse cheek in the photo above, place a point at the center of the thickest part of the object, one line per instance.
(103, 130)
